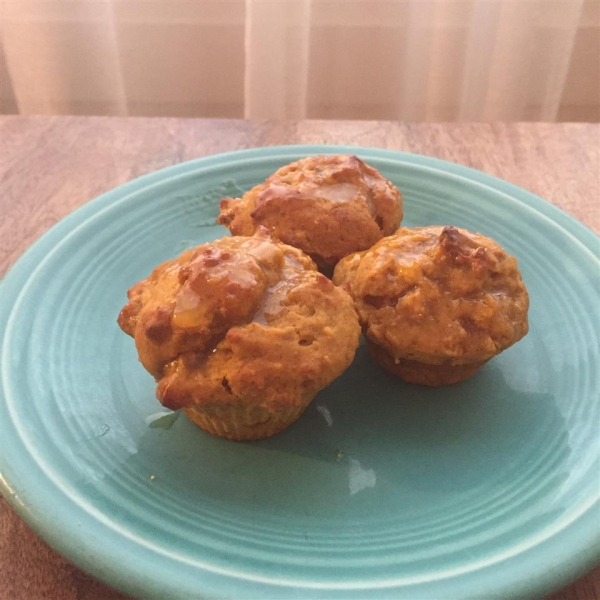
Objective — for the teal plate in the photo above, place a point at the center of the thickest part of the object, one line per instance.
(381, 490)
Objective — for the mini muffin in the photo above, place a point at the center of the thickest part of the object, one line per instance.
(436, 303)
(241, 333)
(328, 206)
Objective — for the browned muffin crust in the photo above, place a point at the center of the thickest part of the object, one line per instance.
(328, 206)
(436, 303)
(241, 333)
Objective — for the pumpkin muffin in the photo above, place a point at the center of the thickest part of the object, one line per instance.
(436, 303)
(241, 333)
(328, 206)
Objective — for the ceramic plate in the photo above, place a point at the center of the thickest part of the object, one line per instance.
(382, 489)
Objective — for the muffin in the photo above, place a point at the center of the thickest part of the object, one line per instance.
(436, 303)
(241, 333)
(328, 206)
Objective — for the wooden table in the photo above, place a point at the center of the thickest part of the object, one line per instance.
(51, 165)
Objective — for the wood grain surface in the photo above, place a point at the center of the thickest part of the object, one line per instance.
(51, 165)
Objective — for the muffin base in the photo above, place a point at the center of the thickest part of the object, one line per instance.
(413, 371)
(240, 423)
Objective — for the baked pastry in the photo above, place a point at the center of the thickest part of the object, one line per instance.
(436, 303)
(328, 206)
(241, 333)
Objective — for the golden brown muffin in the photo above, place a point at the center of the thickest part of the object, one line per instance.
(241, 333)
(436, 303)
(328, 206)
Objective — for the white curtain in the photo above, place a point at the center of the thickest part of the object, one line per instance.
(371, 59)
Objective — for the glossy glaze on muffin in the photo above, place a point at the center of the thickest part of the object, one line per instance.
(241, 333)
(328, 206)
(436, 303)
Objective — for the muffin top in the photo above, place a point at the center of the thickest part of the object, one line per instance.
(328, 206)
(437, 295)
(240, 319)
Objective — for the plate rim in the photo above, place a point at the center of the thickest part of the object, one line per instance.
(20, 272)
